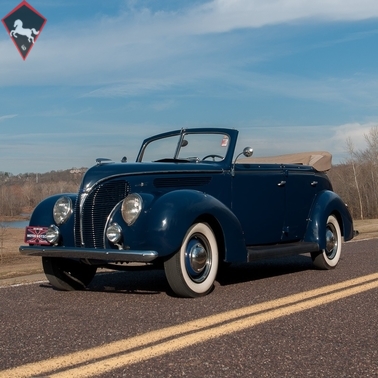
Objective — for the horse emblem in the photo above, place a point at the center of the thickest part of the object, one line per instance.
(21, 31)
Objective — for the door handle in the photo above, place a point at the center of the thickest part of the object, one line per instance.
(314, 183)
(282, 183)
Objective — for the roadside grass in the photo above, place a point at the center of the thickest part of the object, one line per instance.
(367, 229)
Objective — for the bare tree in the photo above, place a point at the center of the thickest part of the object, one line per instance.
(3, 231)
(352, 154)
(371, 157)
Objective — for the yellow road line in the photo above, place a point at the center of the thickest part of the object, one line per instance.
(122, 353)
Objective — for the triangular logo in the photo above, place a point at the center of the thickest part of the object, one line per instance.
(24, 25)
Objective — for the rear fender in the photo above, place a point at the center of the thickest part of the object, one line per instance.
(327, 203)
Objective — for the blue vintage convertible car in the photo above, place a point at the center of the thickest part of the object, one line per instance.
(191, 203)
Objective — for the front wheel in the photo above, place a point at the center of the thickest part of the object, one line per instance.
(66, 274)
(330, 256)
(191, 271)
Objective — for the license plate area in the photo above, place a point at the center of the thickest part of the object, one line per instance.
(36, 235)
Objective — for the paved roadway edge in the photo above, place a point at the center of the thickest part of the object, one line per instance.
(40, 277)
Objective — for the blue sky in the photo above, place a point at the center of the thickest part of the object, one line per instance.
(290, 75)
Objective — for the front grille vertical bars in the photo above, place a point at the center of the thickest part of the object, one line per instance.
(92, 210)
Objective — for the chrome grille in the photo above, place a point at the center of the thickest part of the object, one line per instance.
(90, 219)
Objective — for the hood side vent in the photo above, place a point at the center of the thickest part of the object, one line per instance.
(181, 182)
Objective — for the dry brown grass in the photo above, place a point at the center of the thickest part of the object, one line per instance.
(13, 264)
(368, 228)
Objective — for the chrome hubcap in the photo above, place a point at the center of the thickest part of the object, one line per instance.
(198, 258)
(331, 241)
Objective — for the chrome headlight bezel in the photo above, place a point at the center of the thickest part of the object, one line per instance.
(114, 233)
(53, 234)
(62, 210)
(131, 208)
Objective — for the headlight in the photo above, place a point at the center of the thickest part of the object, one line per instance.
(52, 234)
(131, 208)
(114, 233)
(62, 210)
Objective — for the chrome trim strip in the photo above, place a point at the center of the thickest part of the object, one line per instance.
(90, 253)
(107, 223)
(82, 197)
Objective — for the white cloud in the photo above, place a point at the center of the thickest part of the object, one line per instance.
(133, 87)
(225, 15)
(279, 140)
(4, 118)
(355, 131)
(108, 49)
(186, 52)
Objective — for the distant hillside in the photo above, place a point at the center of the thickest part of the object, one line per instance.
(68, 175)
(21, 193)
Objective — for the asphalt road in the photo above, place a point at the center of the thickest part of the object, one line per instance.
(276, 318)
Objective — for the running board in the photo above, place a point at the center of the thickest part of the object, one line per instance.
(280, 250)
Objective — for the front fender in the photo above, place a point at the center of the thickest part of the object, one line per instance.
(327, 203)
(43, 216)
(172, 214)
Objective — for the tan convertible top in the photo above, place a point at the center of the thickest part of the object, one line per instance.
(320, 160)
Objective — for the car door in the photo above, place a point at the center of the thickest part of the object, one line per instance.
(302, 185)
(301, 189)
(258, 200)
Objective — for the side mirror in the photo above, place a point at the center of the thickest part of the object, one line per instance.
(248, 151)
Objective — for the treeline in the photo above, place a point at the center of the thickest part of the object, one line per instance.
(19, 194)
(355, 180)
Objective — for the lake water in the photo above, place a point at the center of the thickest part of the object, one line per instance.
(15, 224)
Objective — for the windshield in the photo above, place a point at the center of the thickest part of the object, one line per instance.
(188, 147)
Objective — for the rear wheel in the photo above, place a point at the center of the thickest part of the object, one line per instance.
(191, 271)
(330, 256)
(66, 274)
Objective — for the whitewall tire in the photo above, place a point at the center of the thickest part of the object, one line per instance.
(192, 270)
(329, 257)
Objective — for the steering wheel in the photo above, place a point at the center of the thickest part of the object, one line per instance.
(213, 156)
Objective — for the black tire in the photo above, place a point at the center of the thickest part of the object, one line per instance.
(329, 257)
(66, 274)
(192, 270)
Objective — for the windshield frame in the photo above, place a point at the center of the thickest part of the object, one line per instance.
(230, 133)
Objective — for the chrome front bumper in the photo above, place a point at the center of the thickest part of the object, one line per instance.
(90, 253)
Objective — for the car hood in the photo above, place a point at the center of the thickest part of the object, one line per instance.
(110, 170)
